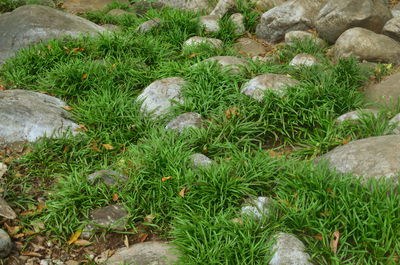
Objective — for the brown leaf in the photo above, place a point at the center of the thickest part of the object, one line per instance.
(84, 76)
(335, 241)
(12, 230)
(2, 88)
(68, 108)
(41, 206)
(74, 237)
(126, 241)
(274, 154)
(318, 237)
(142, 237)
(108, 146)
(81, 128)
(149, 218)
(346, 140)
(192, 55)
(31, 254)
(82, 242)
(95, 148)
(165, 179)
(182, 192)
(232, 112)
(76, 50)
(49, 47)
(115, 197)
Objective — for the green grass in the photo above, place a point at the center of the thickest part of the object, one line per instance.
(101, 78)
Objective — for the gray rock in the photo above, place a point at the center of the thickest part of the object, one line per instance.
(289, 250)
(395, 122)
(108, 177)
(387, 92)
(367, 45)
(231, 64)
(356, 115)
(3, 169)
(5, 244)
(222, 7)
(196, 5)
(290, 16)
(6, 211)
(291, 36)
(111, 27)
(337, 16)
(35, 23)
(200, 161)
(392, 28)
(256, 87)
(142, 7)
(119, 12)
(395, 13)
(303, 59)
(147, 253)
(194, 41)
(27, 116)
(149, 25)
(238, 21)
(258, 208)
(82, 6)
(264, 5)
(158, 97)
(250, 47)
(373, 157)
(210, 23)
(185, 121)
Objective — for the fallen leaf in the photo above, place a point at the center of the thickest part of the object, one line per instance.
(76, 50)
(182, 192)
(108, 146)
(115, 197)
(95, 148)
(232, 112)
(68, 108)
(41, 206)
(74, 237)
(31, 254)
(126, 241)
(142, 237)
(318, 237)
(192, 55)
(84, 76)
(346, 140)
(12, 230)
(49, 47)
(237, 221)
(149, 218)
(82, 242)
(274, 154)
(165, 179)
(81, 128)
(335, 241)
(2, 88)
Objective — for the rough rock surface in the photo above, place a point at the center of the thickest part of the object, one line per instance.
(303, 59)
(149, 25)
(147, 253)
(290, 16)
(142, 7)
(196, 5)
(210, 23)
(6, 211)
(238, 21)
(230, 63)
(292, 36)
(264, 5)
(289, 250)
(257, 86)
(200, 161)
(158, 97)
(356, 115)
(392, 28)
(222, 7)
(34, 23)
(108, 177)
(337, 16)
(5, 244)
(27, 116)
(395, 122)
(193, 41)
(250, 47)
(81, 6)
(387, 92)
(119, 12)
(367, 45)
(185, 121)
(258, 208)
(373, 157)
(3, 169)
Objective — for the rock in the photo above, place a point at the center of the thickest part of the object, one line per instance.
(27, 116)
(3, 169)
(238, 20)
(82, 6)
(395, 13)
(387, 92)
(142, 7)
(337, 16)
(222, 7)
(196, 5)
(256, 87)
(210, 23)
(194, 41)
(392, 28)
(367, 45)
(257, 208)
(185, 121)
(356, 115)
(250, 47)
(158, 96)
(373, 157)
(6, 211)
(303, 59)
(72, 262)
(119, 12)
(268, 4)
(149, 25)
(34, 23)
(231, 64)
(108, 177)
(200, 161)
(111, 27)
(289, 250)
(290, 16)
(395, 122)
(147, 253)
(5, 244)
(292, 36)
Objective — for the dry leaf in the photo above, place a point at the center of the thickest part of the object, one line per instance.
(149, 218)
(142, 237)
(95, 148)
(274, 154)
(232, 112)
(192, 55)
(12, 230)
(2, 88)
(126, 242)
(31, 254)
(346, 140)
(41, 206)
(76, 50)
(74, 237)
(49, 47)
(182, 192)
(82, 242)
(237, 221)
(318, 237)
(81, 128)
(84, 76)
(335, 241)
(115, 197)
(108, 146)
(165, 179)
(68, 108)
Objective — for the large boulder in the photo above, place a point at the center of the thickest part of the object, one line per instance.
(367, 45)
(290, 16)
(373, 157)
(81, 6)
(337, 16)
(34, 23)
(387, 92)
(196, 5)
(264, 5)
(27, 116)
(392, 28)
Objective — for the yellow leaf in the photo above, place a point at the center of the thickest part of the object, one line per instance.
(165, 179)
(126, 241)
(192, 55)
(182, 192)
(68, 108)
(115, 197)
(149, 218)
(84, 76)
(108, 146)
(74, 237)
(232, 112)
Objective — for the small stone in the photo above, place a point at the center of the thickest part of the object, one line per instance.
(111, 27)
(289, 250)
(3, 169)
(238, 21)
(72, 262)
(250, 47)
(119, 12)
(194, 41)
(200, 161)
(6, 211)
(392, 28)
(222, 7)
(185, 121)
(5, 244)
(231, 64)
(395, 122)
(210, 23)
(142, 7)
(257, 208)
(303, 59)
(356, 115)
(149, 25)
(292, 36)
(108, 177)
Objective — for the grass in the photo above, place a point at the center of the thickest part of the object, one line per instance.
(101, 77)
